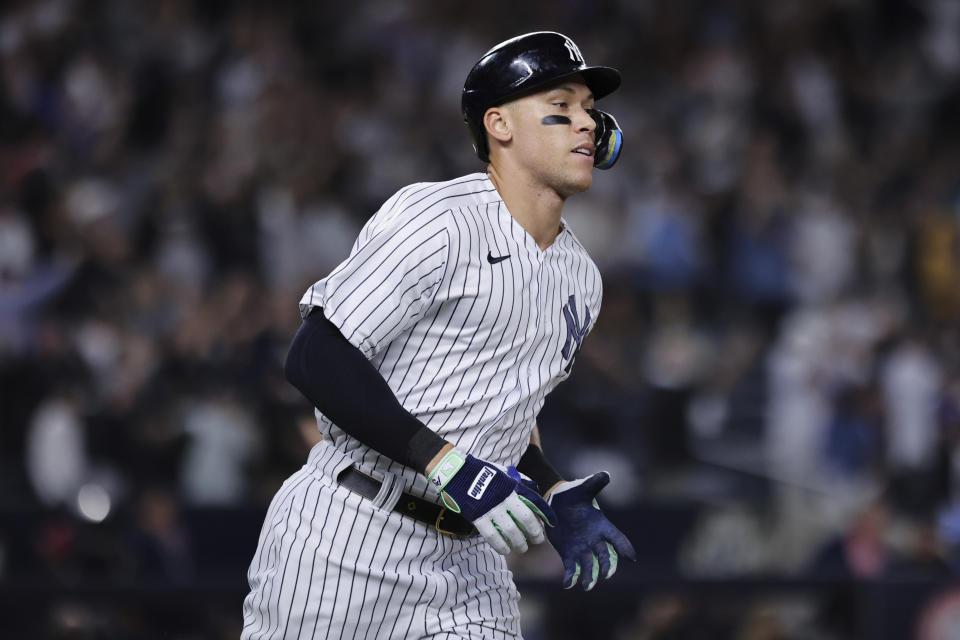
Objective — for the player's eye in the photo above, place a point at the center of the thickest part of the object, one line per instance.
(560, 105)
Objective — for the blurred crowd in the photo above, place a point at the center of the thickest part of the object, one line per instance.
(780, 336)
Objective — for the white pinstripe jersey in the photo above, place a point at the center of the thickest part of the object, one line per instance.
(467, 319)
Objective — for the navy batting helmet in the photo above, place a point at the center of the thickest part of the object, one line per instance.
(523, 64)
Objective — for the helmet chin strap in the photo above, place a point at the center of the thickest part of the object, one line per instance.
(609, 137)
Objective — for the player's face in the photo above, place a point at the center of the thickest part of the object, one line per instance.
(554, 135)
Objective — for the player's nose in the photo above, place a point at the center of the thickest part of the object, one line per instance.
(584, 122)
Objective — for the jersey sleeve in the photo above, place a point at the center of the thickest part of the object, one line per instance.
(388, 282)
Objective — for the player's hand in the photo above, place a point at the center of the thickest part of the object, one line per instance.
(507, 513)
(587, 542)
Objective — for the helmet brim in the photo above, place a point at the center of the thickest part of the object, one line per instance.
(602, 80)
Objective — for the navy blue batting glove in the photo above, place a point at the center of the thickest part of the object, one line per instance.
(506, 512)
(587, 542)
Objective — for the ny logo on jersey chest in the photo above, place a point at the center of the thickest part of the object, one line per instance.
(576, 331)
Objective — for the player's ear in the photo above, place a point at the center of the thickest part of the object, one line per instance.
(497, 123)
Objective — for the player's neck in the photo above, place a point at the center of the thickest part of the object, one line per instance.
(535, 207)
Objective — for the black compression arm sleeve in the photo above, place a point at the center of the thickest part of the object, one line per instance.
(535, 465)
(339, 380)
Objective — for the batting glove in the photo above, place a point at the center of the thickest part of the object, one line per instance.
(587, 542)
(505, 512)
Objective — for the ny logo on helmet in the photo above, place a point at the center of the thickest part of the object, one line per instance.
(574, 52)
(576, 332)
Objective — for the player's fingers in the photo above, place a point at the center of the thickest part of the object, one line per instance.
(487, 529)
(614, 559)
(526, 536)
(514, 535)
(507, 525)
(602, 552)
(537, 504)
(621, 543)
(523, 479)
(530, 484)
(595, 483)
(527, 519)
(571, 572)
(591, 569)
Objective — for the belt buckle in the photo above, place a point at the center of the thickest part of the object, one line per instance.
(443, 512)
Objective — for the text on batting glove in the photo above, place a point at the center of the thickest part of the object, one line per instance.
(505, 512)
(587, 542)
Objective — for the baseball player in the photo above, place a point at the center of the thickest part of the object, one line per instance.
(428, 354)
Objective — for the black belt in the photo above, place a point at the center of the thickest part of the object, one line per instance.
(441, 518)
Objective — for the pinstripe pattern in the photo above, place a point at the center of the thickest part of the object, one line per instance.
(471, 348)
(331, 564)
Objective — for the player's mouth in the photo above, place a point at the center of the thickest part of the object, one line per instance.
(586, 149)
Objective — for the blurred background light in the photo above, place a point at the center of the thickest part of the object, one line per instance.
(94, 502)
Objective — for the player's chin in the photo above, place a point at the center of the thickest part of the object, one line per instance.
(578, 182)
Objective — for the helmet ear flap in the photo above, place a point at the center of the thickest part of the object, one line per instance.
(479, 137)
(609, 139)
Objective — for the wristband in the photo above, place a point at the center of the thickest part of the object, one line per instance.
(448, 467)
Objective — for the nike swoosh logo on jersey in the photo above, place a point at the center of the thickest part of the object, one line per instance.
(495, 259)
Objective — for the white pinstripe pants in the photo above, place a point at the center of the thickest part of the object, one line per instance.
(332, 564)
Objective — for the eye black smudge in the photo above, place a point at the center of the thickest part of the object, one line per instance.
(555, 120)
